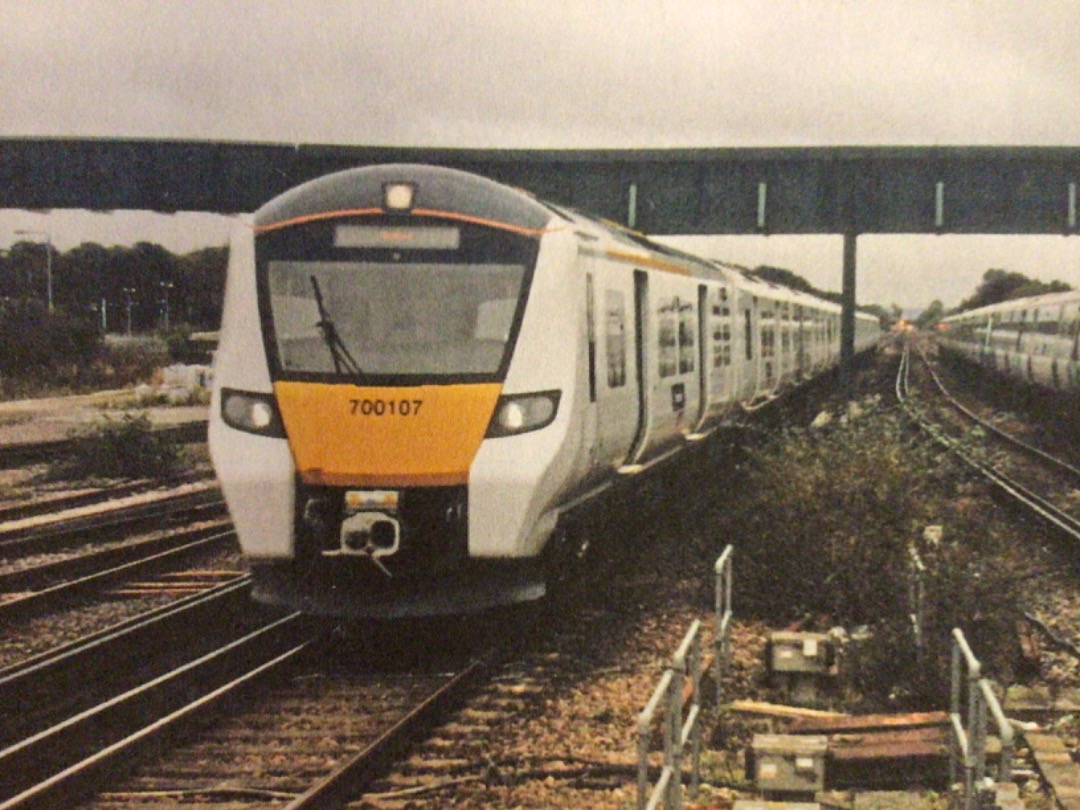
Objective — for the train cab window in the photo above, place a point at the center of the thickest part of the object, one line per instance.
(422, 308)
(748, 334)
(395, 318)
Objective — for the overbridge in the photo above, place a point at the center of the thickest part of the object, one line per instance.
(845, 191)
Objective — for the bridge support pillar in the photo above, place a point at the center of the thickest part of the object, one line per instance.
(847, 317)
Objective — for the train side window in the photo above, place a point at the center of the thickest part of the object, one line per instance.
(687, 340)
(748, 334)
(668, 338)
(721, 331)
(615, 337)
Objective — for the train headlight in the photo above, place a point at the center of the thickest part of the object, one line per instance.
(251, 412)
(398, 196)
(521, 413)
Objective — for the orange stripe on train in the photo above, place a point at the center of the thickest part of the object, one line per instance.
(348, 435)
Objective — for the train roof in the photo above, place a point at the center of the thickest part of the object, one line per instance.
(440, 190)
(435, 189)
(1047, 299)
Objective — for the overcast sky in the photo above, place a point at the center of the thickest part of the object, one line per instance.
(549, 73)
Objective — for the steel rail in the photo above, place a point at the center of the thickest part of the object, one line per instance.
(23, 453)
(354, 773)
(89, 496)
(66, 762)
(51, 536)
(49, 596)
(37, 576)
(35, 690)
(1042, 455)
(1035, 503)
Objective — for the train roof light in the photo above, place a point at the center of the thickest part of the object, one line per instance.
(398, 196)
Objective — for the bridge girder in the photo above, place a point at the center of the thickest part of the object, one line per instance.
(813, 190)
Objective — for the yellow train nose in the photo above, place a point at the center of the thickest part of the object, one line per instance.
(348, 435)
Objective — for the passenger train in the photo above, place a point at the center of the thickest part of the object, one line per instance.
(420, 371)
(1033, 339)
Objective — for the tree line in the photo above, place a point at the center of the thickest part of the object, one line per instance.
(778, 275)
(997, 285)
(134, 288)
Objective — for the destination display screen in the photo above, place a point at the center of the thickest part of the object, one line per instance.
(430, 237)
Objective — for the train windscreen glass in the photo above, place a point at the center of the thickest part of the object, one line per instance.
(428, 319)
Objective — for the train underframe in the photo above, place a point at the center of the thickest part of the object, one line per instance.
(411, 560)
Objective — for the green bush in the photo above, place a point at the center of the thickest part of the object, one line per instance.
(181, 349)
(964, 588)
(824, 521)
(825, 516)
(126, 447)
(34, 338)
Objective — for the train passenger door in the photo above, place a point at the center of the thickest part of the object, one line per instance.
(677, 389)
(703, 358)
(800, 343)
(716, 330)
(747, 351)
(642, 329)
(669, 359)
(615, 379)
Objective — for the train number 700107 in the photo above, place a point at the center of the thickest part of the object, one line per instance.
(385, 407)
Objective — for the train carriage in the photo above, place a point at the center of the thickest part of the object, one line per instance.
(1034, 339)
(420, 370)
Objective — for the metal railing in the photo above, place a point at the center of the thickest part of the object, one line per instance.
(722, 625)
(968, 737)
(917, 601)
(670, 694)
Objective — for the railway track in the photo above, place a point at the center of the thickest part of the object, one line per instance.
(1060, 466)
(316, 729)
(24, 453)
(49, 558)
(132, 679)
(56, 766)
(37, 692)
(88, 496)
(1004, 482)
(51, 585)
(46, 533)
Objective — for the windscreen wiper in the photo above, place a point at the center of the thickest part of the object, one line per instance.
(343, 359)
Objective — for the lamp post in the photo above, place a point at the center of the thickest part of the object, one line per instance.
(128, 292)
(165, 287)
(48, 261)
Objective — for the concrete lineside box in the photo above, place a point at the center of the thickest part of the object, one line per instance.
(789, 763)
(800, 652)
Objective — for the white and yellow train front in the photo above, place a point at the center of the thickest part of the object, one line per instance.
(390, 413)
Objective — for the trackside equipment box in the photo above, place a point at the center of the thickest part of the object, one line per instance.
(789, 763)
(800, 652)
